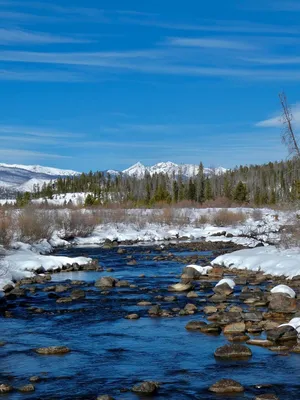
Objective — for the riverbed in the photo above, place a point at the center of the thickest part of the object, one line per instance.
(109, 353)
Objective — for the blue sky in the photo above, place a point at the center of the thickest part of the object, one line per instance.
(98, 85)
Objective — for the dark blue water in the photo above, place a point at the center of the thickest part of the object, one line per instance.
(110, 353)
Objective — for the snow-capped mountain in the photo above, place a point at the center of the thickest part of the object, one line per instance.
(139, 170)
(22, 178)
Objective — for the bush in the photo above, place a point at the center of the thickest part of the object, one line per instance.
(77, 223)
(227, 218)
(34, 225)
(6, 228)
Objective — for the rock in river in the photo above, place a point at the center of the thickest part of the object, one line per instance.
(233, 351)
(146, 387)
(52, 350)
(226, 386)
(106, 281)
(180, 287)
(4, 388)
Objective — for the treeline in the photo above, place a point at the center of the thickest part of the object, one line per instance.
(268, 184)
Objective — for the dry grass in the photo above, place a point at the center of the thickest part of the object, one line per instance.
(228, 218)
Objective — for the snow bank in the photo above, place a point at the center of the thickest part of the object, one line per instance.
(284, 289)
(269, 259)
(295, 323)
(229, 282)
(201, 270)
(26, 259)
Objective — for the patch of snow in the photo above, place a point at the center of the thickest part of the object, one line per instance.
(229, 282)
(295, 323)
(270, 259)
(26, 259)
(201, 270)
(284, 289)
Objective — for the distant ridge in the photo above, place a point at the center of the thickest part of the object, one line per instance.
(21, 178)
(186, 170)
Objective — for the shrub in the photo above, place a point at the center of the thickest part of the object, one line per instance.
(6, 228)
(35, 225)
(77, 223)
(226, 217)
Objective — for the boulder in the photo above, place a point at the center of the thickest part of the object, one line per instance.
(224, 289)
(77, 294)
(226, 386)
(233, 351)
(52, 350)
(180, 287)
(27, 388)
(285, 333)
(106, 282)
(267, 396)
(235, 327)
(147, 387)
(105, 397)
(195, 325)
(283, 303)
(132, 316)
(4, 388)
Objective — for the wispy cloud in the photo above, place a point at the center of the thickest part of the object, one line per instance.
(215, 43)
(37, 131)
(277, 120)
(279, 60)
(12, 36)
(43, 76)
(218, 26)
(27, 154)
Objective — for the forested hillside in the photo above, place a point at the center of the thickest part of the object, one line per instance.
(269, 184)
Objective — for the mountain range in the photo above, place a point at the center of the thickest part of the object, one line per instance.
(21, 178)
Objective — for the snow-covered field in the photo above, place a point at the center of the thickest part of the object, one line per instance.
(146, 225)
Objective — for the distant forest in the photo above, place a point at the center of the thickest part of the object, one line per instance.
(257, 185)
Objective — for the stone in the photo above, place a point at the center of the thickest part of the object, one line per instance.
(190, 307)
(237, 337)
(213, 329)
(180, 287)
(192, 294)
(144, 303)
(267, 396)
(64, 300)
(27, 388)
(210, 310)
(132, 316)
(260, 342)
(155, 311)
(122, 284)
(226, 386)
(34, 378)
(8, 288)
(105, 397)
(4, 388)
(282, 303)
(146, 387)
(224, 289)
(195, 325)
(77, 294)
(233, 351)
(52, 350)
(61, 288)
(282, 334)
(106, 281)
(235, 327)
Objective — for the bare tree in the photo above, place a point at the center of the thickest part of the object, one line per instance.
(288, 135)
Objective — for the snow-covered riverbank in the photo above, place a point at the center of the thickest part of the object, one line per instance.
(24, 259)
